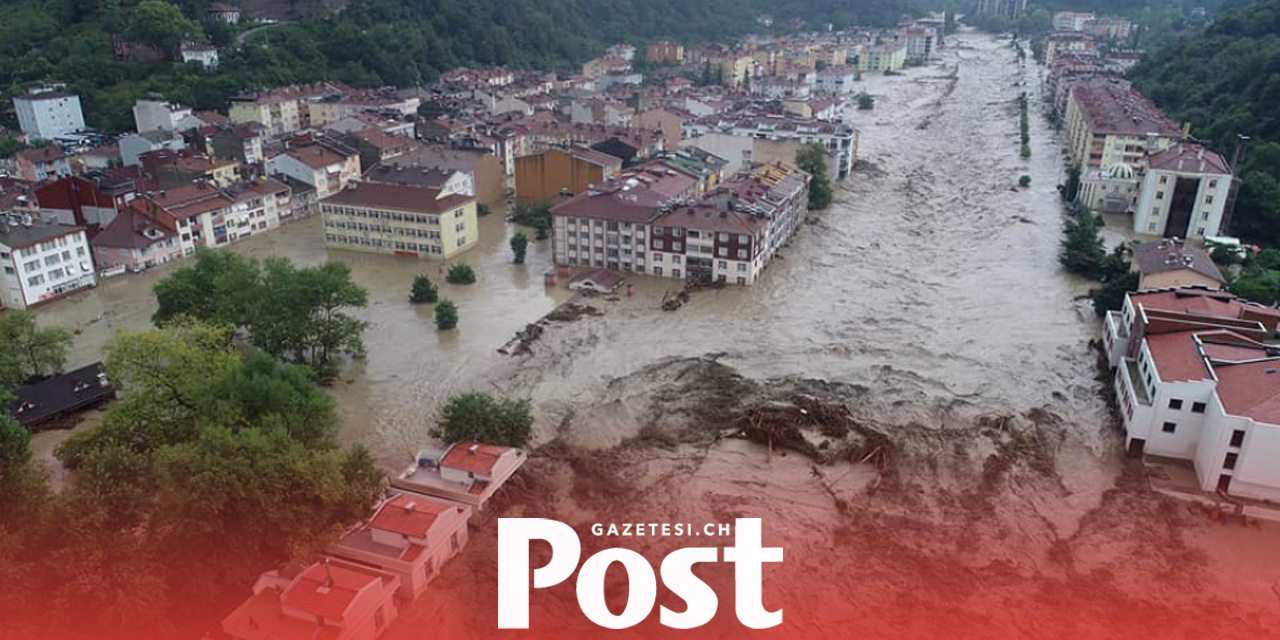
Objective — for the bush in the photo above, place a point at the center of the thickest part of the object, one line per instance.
(446, 315)
(1024, 181)
(1111, 296)
(477, 416)
(866, 102)
(813, 160)
(1026, 151)
(423, 290)
(461, 274)
(519, 244)
(483, 210)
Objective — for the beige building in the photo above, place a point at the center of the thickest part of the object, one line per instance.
(734, 69)
(1108, 122)
(401, 219)
(326, 167)
(890, 56)
(1170, 263)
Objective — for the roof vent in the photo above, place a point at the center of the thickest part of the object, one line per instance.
(408, 508)
(473, 449)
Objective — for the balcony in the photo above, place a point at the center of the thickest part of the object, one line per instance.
(1134, 382)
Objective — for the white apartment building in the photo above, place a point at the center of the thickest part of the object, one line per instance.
(157, 114)
(41, 262)
(208, 216)
(45, 114)
(1183, 193)
(1196, 382)
(326, 167)
(837, 79)
(840, 140)
(1071, 20)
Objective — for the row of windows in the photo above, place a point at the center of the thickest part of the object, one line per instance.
(1176, 405)
(51, 245)
(376, 228)
(394, 216)
(382, 244)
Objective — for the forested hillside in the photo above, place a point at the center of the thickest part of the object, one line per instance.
(1226, 81)
(369, 43)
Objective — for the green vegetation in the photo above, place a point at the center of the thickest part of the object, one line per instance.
(1259, 278)
(294, 314)
(1082, 252)
(519, 245)
(813, 160)
(1033, 21)
(1071, 188)
(461, 274)
(446, 315)
(423, 291)
(1111, 296)
(1024, 181)
(866, 102)
(535, 215)
(483, 210)
(28, 351)
(370, 43)
(477, 416)
(207, 450)
(1224, 82)
(1025, 125)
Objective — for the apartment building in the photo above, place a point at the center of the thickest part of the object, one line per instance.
(1184, 193)
(282, 111)
(135, 240)
(1109, 122)
(467, 473)
(548, 174)
(410, 536)
(836, 80)
(664, 52)
(326, 166)
(1071, 20)
(205, 215)
(920, 43)
(401, 219)
(1196, 382)
(331, 599)
(41, 261)
(659, 227)
(1171, 263)
(155, 113)
(880, 58)
(43, 163)
(45, 114)
(840, 140)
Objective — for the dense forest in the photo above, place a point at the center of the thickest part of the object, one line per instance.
(369, 43)
(1226, 81)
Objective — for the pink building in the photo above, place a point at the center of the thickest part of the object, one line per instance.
(141, 236)
(326, 601)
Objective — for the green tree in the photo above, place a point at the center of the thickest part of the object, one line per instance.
(446, 315)
(1024, 181)
(519, 245)
(28, 351)
(1071, 189)
(1081, 251)
(813, 160)
(220, 287)
(10, 146)
(460, 274)
(478, 416)
(423, 291)
(161, 25)
(1112, 294)
(866, 102)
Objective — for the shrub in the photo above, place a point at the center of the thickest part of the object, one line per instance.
(461, 274)
(423, 290)
(519, 244)
(446, 315)
(1024, 181)
(866, 102)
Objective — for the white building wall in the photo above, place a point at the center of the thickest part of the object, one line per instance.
(46, 270)
(48, 118)
(1151, 215)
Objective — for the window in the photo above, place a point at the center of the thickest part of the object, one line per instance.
(742, 280)
(724, 265)
(724, 237)
(742, 266)
(675, 259)
(677, 232)
(1204, 216)
(657, 257)
(1159, 195)
(742, 254)
(657, 231)
(657, 244)
(1199, 231)
(744, 239)
(1164, 179)
(429, 568)
(1208, 199)
(453, 542)
(1237, 438)
(1169, 427)
(1175, 404)
(657, 271)
(1197, 407)
(1213, 184)
(676, 246)
(675, 273)
(1230, 461)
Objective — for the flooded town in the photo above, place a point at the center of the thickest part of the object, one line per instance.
(911, 392)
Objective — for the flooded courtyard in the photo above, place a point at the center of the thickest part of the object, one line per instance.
(927, 301)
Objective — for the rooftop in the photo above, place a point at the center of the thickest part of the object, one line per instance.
(473, 457)
(15, 234)
(1117, 108)
(1185, 157)
(400, 197)
(59, 394)
(327, 590)
(409, 515)
(1172, 255)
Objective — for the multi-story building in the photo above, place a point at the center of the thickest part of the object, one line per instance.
(1109, 28)
(920, 43)
(1183, 193)
(135, 240)
(734, 70)
(204, 53)
(837, 80)
(659, 227)
(332, 599)
(45, 113)
(1109, 122)
(1171, 263)
(400, 219)
(1004, 8)
(410, 536)
(285, 110)
(664, 52)
(890, 56)
(41, 261)
(43, 163)
(155, 113)
(1196, 382)
(551, 173)
(327, 166)
(205, 215)
(1071, 20)
(134, 145)
(840, 140)
(90, 200)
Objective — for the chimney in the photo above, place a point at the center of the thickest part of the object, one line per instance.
(328, 576)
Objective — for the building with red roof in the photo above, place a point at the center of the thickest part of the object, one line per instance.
(467, 473)
(409, 535)
(1184, 193)
(1199, 380)
(330, 600)
(401, 219)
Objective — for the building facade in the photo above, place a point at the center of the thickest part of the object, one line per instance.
(45, 114)
(41, 262)
(1184, 193)
(401, 220)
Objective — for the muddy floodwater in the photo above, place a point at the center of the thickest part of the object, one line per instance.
(975, 462)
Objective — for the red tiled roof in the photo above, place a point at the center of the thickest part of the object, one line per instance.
(309, 593)
(1177, 358)
(408, 515)
(126, 230)
(401, 197)
(473, 457)
(1189, 158)
(1251, 390)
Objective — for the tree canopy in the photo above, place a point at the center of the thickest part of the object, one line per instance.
(28, 351)
(478, 416)
(1225, 82)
